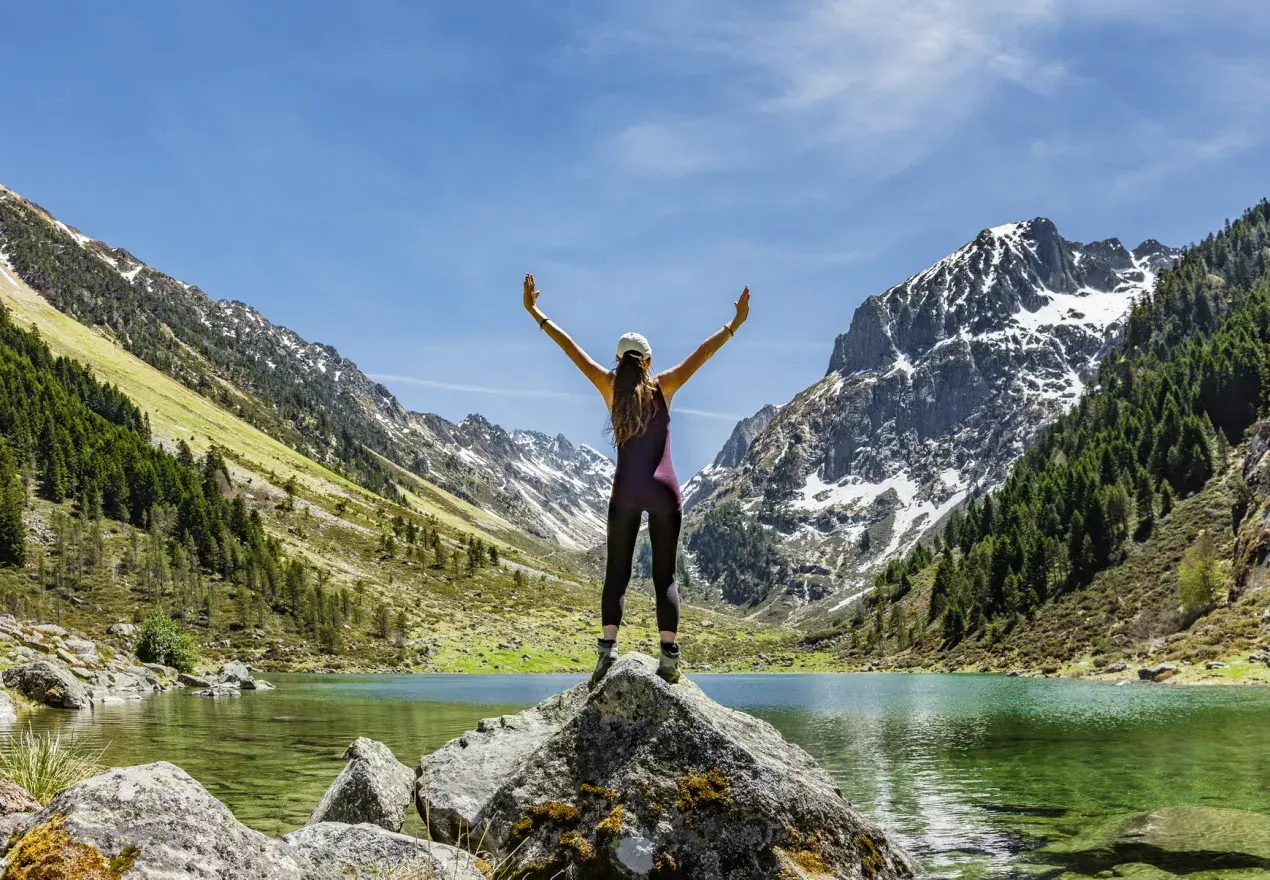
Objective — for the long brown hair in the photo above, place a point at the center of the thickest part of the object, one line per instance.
(634, 397)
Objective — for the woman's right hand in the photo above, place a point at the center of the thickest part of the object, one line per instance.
(531, 293)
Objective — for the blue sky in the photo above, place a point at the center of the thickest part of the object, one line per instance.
(379, 176)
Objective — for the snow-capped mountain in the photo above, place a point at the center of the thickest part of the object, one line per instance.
(934, 391)
(306, 393)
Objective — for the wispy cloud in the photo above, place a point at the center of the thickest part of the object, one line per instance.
(479, 389)
(531, 392)
(859, 76)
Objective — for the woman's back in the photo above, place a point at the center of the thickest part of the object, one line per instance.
(645, 477)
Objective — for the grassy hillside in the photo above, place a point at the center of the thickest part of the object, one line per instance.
(411, 607)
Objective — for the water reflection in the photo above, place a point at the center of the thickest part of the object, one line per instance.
(973, 772)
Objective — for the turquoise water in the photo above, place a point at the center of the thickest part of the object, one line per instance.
(972, 772)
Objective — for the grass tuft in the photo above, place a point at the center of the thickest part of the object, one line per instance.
(45, 763)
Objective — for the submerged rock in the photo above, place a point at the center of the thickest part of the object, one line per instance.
(1181, 840)
(367, 850)
(373, 787)
(162, 822)
(640, 778)
(8, 709)
(47, 683)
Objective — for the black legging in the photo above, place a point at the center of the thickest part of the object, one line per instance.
(663, 533)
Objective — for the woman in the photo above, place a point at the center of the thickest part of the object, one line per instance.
(639, 414)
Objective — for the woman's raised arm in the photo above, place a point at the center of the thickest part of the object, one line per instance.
(600, 377)
(674, 378)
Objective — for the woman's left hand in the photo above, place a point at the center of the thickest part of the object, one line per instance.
(742, 308)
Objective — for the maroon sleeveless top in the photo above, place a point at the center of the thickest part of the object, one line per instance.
(645, 477)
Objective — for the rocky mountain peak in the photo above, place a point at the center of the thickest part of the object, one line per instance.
(933, 392)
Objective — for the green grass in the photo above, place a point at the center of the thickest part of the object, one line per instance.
(45, 763)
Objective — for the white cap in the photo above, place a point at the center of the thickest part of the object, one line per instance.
(634, 342)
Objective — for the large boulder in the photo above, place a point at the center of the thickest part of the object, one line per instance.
(159, 820)
(373, 787)
(8, 709)
(47, 683)
(235, 672)
(638, 778)
(1158, 672)
(1181, 840)
(369, 851)
(458, 780)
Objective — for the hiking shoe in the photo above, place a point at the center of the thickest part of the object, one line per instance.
(607, 652)
(668, 668)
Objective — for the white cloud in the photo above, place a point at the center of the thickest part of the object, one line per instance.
(879, 81)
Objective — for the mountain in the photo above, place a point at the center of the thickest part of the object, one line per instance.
(706, 480)
(937, 387)
(304, 393)
(1131, 536)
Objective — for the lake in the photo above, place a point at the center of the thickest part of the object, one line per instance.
(972, 772)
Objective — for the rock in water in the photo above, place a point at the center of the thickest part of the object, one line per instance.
(640, 778)
(1181, 840)
(8, 709)
(163, 821)
(373, 787)
(235, 672)
(369, 851)
(47, 683)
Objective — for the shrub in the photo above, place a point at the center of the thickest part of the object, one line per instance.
(162, 640)
(1200, 577)
(45, 763)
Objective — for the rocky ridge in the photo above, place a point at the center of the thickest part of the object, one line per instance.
(934, 391)
(544, 485)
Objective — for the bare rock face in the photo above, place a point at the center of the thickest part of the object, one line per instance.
(367, 850)
(639, 778)
(374, 787)
(160, 820)
(49, 684)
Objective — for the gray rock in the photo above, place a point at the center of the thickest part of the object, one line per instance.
(49, 629)
(639, 771)
(1118, 666)
(373, 787)
(82, 647)
(219, 690)
(458, 780)
(367, 850)
(1184, 840)
(177, 827)
(1158, 672)
(47, 683)
(163, 673)
(189, 680)
(16, 799)
(8, 709)
(234, 672)
(121, 629)
(1215, 664)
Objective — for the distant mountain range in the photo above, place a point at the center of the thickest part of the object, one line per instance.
(937, 387)
(305, 393)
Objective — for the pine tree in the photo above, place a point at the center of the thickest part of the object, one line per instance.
(13, 549)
